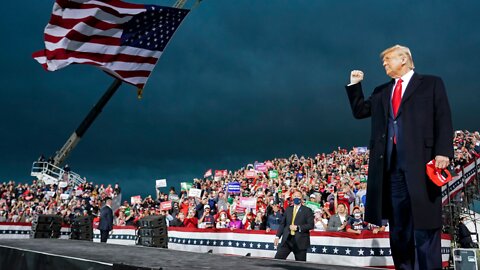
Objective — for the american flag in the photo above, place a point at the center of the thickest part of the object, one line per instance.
(121, 38)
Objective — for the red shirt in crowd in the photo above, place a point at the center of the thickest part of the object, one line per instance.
(191, 222)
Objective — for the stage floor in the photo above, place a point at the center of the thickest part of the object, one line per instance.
(155, 258)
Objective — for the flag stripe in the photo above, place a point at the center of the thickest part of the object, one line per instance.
(133, 73)
(91, 12)
(118, 6)
(91, 21)
(74, 35)
(99, 48)
(61, 54)
(114, 10)
(111, 65)
(85, 29)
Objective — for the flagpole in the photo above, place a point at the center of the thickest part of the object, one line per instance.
(63, 153)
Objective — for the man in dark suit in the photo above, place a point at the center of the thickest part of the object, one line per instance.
(410, 125)
(106, 220)
(294, 229)
(464, 234)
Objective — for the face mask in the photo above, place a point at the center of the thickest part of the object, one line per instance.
(357, 215)
(296, 201)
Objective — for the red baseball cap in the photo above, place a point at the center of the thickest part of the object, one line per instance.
(438, 176)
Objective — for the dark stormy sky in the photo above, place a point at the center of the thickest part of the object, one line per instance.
(241, 81)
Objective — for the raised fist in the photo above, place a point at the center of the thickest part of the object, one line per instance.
(356, 76)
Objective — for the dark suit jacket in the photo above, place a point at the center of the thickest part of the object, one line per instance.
(106, 219)
(424, 132)
(305, 222)
(464, 236)
(334, 223)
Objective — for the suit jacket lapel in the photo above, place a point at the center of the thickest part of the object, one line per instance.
(412, 85)
(290, 213)
(387, 93)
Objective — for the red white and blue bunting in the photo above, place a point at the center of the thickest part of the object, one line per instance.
(333, 248)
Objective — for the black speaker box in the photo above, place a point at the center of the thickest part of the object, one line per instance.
(83, 221)
(46, 226)
(47, 219)
(161, 242)
(152, 222)
(40, 227)
(152, 232)
(34, 234)
(82, 228)
(81, 236)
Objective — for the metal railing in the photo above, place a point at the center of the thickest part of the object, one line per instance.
(462, 205)
(51, 174)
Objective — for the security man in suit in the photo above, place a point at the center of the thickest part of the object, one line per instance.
(106, 220)
(294, 230)
(410, 125)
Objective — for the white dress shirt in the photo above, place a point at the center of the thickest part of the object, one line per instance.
(406, 79)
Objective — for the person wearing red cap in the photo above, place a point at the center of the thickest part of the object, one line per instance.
(411, 124)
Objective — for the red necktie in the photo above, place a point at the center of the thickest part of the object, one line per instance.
(396, 99)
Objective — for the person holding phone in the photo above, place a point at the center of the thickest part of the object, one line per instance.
(338, 222)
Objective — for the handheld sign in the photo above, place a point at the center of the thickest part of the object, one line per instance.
(161, 183)
(233, 187)
(313, 205)
(250, 174)
(135, 199)
(185, 186)
(248, 202)
(195, 192)
(173, 197)
(62, 184)
(164, 206)
(273, 174)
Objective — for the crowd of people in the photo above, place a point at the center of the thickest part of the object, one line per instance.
(21, 202)
(333, 185)
(466, 145)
